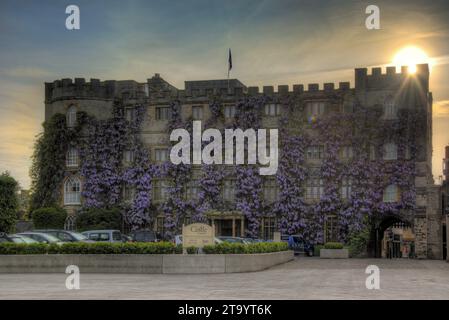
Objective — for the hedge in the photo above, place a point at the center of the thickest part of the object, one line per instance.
(90, 248)
(333, 245)
(238, 248)
(134, 248)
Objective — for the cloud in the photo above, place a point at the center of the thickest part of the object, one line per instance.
(441, 109)
(27, 72)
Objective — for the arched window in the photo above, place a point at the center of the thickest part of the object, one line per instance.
(71, 116)
(391, 193)
(390, 151)
(71, 159)
(390, 108)
(72, 191)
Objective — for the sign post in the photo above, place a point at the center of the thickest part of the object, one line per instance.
(197, 235)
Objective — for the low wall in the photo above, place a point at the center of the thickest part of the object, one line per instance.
(143, 263)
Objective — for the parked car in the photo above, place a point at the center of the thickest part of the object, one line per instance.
(104, 235)
(178, 240)
(65, 235)
(18, 238)
(233, 240)
(144, 235)
(299, 246)
(126, 238)
(253, 240)
(41, 237)
(4, 237)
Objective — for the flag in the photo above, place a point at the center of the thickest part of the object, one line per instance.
(229, 61)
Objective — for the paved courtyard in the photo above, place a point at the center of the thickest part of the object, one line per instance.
(303, 278)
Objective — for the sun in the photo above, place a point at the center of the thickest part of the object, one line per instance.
(410, 56)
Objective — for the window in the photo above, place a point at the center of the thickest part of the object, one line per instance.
(372, 152)
(315, 152)
(315, 109)
(99, 236)
(129, 193)
(408, 154)
(229, 190)
(71, 159)
(163, 113)
(268, 227)
(160, 228)
(272, 110)
(390, 109)
(390, 151)
(128, 156)
(331, 229)
(229, 111)
(197, 112)
(346, 152)
(270, 190)
(72, 191)
(391, 193)
(192, 190)
(160, 190)
(71, 117)
(129, 114)
(314, 188)
(161, 155)
(346, 188)
(116, 236)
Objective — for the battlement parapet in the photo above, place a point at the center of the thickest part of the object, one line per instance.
(299, 89)
(95, 89)
(390, 79)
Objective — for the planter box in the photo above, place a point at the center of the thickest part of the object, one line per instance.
(334, 254)
(143, 263)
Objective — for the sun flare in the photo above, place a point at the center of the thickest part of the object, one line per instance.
(410, 56)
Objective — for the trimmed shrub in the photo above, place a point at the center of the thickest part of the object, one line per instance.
(99, 219)
(49, 218)
(333, 245)
(192, 250)
(135, 248)
(316, 249)
(240, 248)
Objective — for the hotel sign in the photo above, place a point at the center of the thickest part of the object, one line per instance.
(197, 235)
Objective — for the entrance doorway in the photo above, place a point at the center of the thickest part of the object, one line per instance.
(231, 227)
(393, 238)
(444, 242)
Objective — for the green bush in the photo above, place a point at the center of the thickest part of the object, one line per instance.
(239, 248)
(8, 202)
(89, 248)
(358, 243)
(99, 219)
(23, 248)
(49, 218)
(333, 245)
(192, 250)
(316, 249)
(136, 248)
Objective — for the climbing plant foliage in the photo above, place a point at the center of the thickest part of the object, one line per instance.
(102, 144)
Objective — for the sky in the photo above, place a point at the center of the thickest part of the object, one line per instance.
(273, 42)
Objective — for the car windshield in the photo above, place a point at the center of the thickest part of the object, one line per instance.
(78, 236)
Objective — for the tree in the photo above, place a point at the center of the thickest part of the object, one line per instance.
(8, 202)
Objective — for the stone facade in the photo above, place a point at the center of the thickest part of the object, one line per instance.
(371, 89)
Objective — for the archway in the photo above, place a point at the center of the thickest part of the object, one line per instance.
(392, 237)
